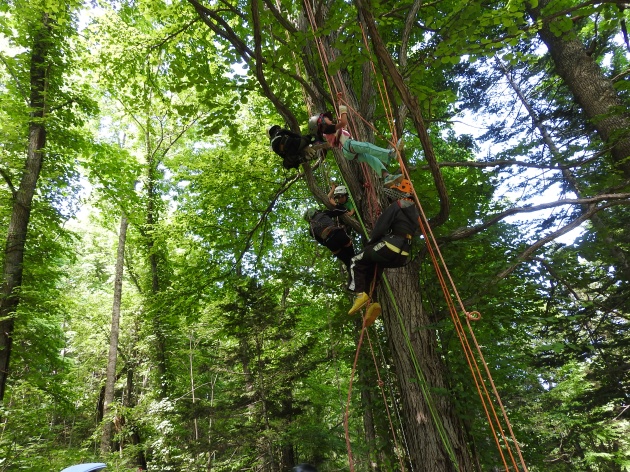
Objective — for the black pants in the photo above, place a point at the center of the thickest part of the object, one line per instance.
(341, 246)
(368, 265)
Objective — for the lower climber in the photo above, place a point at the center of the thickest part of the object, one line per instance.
(328, 234)
(389, 246)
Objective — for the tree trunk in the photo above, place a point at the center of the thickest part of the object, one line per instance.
(427, 451)
(23, 198)
(110, 377)
(158, 325)
(590, 88)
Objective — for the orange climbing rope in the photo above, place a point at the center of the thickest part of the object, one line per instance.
(373, 205)
(448, 287)
(443, 274)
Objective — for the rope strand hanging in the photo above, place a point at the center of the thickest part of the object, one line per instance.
(425, 390)
(443, 274)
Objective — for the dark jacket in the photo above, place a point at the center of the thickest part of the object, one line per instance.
(399, 221)
(322, 223)
(290, 146)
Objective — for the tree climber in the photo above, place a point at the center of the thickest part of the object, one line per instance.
(323, 229)
(389, 246)
(293, 148)
(336, 134)
(338, 196)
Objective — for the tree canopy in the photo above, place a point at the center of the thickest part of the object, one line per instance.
(234, 350)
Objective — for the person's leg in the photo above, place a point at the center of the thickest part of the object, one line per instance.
(386, 156)
(369, 159)
(367, 266)
(395, 259)
(361, 266)
(345, 255)
(372, 161)
(341, 246)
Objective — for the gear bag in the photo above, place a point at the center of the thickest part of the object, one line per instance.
(291, 147)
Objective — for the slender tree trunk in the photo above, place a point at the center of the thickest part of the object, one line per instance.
(130, 402)
(191, 369)
(591, 89)
(210, 445)
(158, 325)
(23, 198)
(110, 377)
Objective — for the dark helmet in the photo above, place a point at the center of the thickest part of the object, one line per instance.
(315, 122)
(304, 468)
(272, 130)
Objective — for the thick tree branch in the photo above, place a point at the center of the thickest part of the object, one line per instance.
(410, 21)
(225, 31)
(222, 28)
(622, 3)
(284, 111)
(511, 162)
(280, 18)
(411, 101)
(556, 234)
(617, 199)
(592, 90)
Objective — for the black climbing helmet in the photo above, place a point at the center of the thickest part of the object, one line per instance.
(272, 130)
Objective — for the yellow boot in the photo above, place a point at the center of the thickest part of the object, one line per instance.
(373, 312)
(361, 300)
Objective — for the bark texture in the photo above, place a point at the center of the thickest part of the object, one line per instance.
(21, 212)
(591, 89)
(110, 377)
(427, 451)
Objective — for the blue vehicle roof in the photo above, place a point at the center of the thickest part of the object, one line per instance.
(91, 467)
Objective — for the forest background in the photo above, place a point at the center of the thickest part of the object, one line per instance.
(163, 307)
